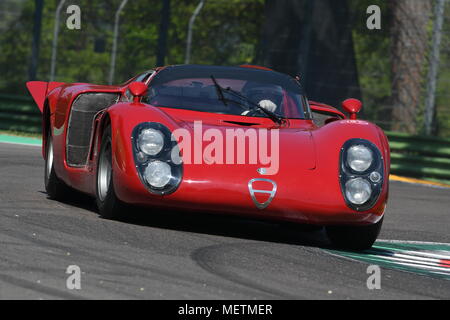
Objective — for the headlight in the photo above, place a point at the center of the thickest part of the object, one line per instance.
(359, 158)
(358, 190)
(158, 174)
(157, 157)
(361, 173)
(151, 141)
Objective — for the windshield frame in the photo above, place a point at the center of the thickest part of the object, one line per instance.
(289, 84)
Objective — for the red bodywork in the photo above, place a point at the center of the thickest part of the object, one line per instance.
(308, 185)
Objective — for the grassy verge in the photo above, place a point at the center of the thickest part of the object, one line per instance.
(21, 134)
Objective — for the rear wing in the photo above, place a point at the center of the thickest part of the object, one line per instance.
(40, 89)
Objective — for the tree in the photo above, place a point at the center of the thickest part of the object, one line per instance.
(314, 40)
(409, 42)
(163, 31)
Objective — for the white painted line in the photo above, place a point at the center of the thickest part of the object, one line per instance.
(428, 254)
(445, 271)
(416, 257)
(414, 262)
(414, 242)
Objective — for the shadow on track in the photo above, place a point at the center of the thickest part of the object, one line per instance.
(213, 224)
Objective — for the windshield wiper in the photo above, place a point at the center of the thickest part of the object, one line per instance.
(222, 98)
(220, 90)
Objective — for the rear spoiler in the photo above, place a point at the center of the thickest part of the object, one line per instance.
(40, 89)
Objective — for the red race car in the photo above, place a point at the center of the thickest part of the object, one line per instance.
(240, 140)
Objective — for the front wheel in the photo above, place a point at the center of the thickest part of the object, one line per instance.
(354, 237)
(109, 206)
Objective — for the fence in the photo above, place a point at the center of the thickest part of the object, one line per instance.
(412, 156)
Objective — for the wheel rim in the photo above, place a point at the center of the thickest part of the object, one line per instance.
(104, 172)
(49, 164)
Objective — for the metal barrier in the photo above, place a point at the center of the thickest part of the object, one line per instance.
(420, 157)
(412, 156)
(19, 113)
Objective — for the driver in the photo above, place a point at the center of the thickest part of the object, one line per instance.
(267, 96)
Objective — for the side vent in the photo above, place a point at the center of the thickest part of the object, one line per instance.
(81, 121)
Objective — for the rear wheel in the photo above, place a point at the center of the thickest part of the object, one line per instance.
(109, 206)
(56, 189)
(354, 237)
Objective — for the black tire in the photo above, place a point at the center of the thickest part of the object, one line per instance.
(109, 206)
(354, 237)
(56, 189)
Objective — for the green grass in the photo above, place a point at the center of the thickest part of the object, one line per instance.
(21, 134)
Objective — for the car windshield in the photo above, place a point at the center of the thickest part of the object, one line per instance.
(192, 87)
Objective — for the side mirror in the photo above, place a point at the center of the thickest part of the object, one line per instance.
(137, 89)
(352, 106)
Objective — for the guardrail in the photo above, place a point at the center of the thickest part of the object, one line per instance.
(412, 156)
(420, 157)
(19, 113)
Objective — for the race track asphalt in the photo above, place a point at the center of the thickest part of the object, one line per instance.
(186, 256)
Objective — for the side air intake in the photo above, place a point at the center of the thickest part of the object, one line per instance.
(79, 132)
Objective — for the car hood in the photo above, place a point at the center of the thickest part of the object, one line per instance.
(292, 148)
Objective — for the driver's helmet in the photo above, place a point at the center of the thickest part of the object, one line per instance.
(257, 92)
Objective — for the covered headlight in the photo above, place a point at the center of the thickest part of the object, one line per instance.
(155, 156)
(158, 174)
(359, 157)
(151, 141)
(361, 173)
(358, 191)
